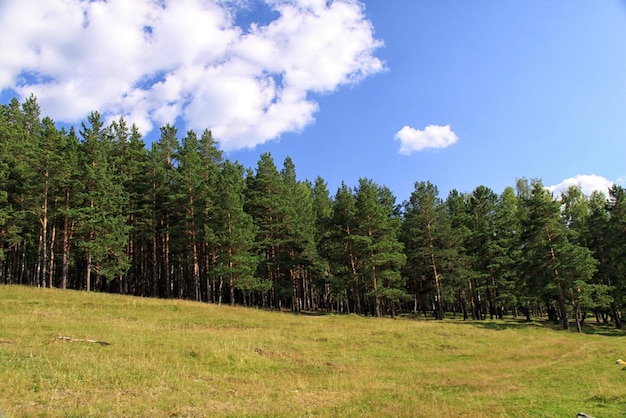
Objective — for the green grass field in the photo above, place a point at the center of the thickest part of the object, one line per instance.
(177, 358)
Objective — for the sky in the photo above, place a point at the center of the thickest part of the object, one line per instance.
(461, 93)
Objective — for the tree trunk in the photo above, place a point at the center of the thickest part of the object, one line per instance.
(616, 315)
(374, 278)
(88, 274)
(494, 297)
(66, 241)
(614, 312)
(375, 285)
(155, 268)
(51, 258)
(438, 302)
(562, 305)
(194, 249)
(44, 234)
(577, 313)
(563, 309)
(357, 296)
(167, 276)
(231, 290)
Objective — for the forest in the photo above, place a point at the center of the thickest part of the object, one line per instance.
(99, 210)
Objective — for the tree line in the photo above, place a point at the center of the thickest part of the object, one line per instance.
(99, 210)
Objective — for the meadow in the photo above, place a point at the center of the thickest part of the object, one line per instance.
(78, 354)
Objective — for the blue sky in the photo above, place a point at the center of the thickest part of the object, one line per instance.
(492, 90)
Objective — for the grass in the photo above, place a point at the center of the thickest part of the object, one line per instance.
(176, 358)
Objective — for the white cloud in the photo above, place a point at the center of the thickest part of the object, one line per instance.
(587, 182)
(433, 136)
(155, 60)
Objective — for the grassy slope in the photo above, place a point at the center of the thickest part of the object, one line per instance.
(177, 358)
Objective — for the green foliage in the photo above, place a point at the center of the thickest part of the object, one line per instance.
(105, 213)
(235, 232)
(102, 221)
(380, 252)
(426, 234)
(553, 261)
(266, 203)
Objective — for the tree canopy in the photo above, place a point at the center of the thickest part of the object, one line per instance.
(99, 210)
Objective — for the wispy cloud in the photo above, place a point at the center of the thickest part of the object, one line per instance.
(153, 61)
(587, 183)
(433, 136)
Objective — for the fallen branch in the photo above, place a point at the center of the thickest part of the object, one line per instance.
(5, 342)
(82, 340)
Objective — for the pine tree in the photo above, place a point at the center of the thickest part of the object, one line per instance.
(575, 214)
(47, 165)
(346, 285)
(505, 247)
(235, 232)
(10, 218)
(377, 247)
(482, 212)
(130, 159)
(300, 251)
(616, 247)
(7, 232)
(191, 192)
(211, 162)
(22, 190)
(425, 234)
(163, 216)
(323, 209)
(456, 263)
(70, 190)
(552, 265)
(265, 202)
(103, 221)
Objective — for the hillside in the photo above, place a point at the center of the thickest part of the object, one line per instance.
(163, 358)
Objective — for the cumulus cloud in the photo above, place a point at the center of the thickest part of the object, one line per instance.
(433, 136)
(587, 183)
(153, 61)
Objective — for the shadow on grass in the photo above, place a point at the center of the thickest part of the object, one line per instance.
(607, 330)
(501, 324)
(598, 328)
(509, 323)
(313, 313)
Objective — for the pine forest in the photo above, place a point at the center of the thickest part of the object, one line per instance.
(99, 210)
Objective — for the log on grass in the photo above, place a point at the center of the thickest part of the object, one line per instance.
(83, 340)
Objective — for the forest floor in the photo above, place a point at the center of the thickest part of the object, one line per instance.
(69, 353)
